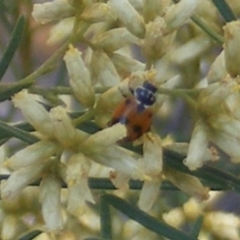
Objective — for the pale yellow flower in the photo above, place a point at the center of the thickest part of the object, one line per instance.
(130, 18)
(231, 47)
(51, 11)
(50, 190)
(79, 77)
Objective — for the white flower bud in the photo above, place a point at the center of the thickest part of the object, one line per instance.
(152, 153)
(231, 47)
(227, 125)
(137, 4)
(129, 17)
(197, 155)
(233, 103)
(212, 100)
(98, 12)
(106, 137)
(217, 70)
(61, 30)
(52, 11)
(34, 154)
(152, 9)
(3, 156)
(114, 39)
(50, 190)
(103, 70)
(191, 50)
(33, 112)
(64, 131)
(179, 147)
(19, 179)
(77, 180)
(126, 65)
(187, 183)
(228, 143)
(151, 166)
(79, 77)
(100, 147)
(155, 43)
(178, 14)
(149, 194)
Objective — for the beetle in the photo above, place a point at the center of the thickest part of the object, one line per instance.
(135, 112)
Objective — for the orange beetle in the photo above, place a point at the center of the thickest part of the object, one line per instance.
(134, 112)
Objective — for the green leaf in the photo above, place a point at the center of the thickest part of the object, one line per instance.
(17, 133)
(213, 175)
(209, 31)
(12, 46)
(224, 10)
(22, 126)
(197, 227)
(31, 235)
(6, 91)
(146, 220)
(105, 219)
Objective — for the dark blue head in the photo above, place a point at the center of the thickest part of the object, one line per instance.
(145, 94)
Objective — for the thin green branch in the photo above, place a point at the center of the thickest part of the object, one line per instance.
(208, 173)
(179, 92)
(12, 46)
(224, 10)
(197, 227)
(187, 95)
(17, 133)
(30, 235)
(53, 91)
(105, 219)
(146, 220)
(106, 184)
(214, 35)
(8, 90)
(60, 90)
(25, 127)
(87, 116)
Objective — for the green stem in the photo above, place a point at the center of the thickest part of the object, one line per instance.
(225, 10)
(31, 235)
(12, 46)
(17, 133)
(179, 92)
(197, 227)
(85, 117)
(185, 94)
(105, 219)
(214, 35)
(46, 92)
(146, 220)
(8, 90)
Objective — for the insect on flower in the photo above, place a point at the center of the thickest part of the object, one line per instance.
(134, 112)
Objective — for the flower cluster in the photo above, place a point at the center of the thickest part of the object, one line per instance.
(218, 105)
